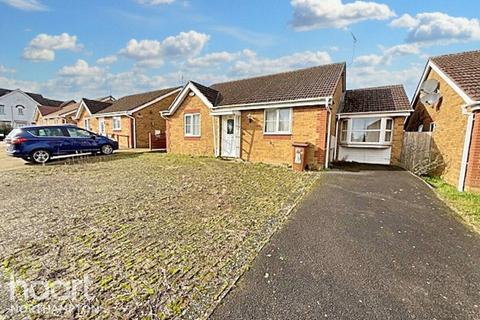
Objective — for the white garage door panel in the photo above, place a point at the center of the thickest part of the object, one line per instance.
(365, 155)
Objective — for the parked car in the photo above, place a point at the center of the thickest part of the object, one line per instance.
(40, 143)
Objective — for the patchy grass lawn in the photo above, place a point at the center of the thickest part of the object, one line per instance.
(159, 236)
(467, 204)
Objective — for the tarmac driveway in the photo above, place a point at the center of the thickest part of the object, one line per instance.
(371, 244)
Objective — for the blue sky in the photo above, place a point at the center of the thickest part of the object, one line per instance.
(73, 49)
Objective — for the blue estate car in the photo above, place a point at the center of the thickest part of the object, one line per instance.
(40, 143)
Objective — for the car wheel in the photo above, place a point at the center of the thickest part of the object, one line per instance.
(106, 149)
(40, 156)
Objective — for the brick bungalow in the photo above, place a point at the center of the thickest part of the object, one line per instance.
(370, 125)
(258, 119)
(56, 115)
(85, 114)
(454, 118)
(131, 119)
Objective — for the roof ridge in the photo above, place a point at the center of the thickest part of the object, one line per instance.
(279, 73)
(378, 87)
(455, 54)
(146, 92)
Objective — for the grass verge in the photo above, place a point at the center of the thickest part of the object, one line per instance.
(466, 204)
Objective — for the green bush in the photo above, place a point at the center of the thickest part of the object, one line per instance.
(5, 129)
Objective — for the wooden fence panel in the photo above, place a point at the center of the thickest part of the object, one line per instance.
(416, 153)
(157, 142)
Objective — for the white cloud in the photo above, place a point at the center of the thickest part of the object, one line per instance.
(43, 46)
(107, 60)
(315, 14)
(211, 59)
(80, 69)
(26, 5)
(155, 2)
(388, 54)
(438, 28)
(4, 70)
(371, 76)
(255, 65)
(185, 44)
(152, 52)
(10, 83)
(247, 36)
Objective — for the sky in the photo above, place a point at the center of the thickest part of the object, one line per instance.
(74, 49)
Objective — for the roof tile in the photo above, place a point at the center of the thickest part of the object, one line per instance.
(320, 81)
(463, 69)
(133, 101)
(387, 98)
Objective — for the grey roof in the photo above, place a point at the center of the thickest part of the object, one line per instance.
(95, 106)
(376, 99)
(133, 101)
(309, 83)
(212, 95)
(37, 97)
(463, 69)
(46, 110)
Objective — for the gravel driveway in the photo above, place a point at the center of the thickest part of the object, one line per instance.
(368, 244)
(152, 235)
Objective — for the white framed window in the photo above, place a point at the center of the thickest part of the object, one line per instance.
(2, 109)
(433, 126)
(366, 131)
(192, 125)
(388, 130)
(278, 121)
(20, 110)
(344, 131)
(117, 123)
(86, 124)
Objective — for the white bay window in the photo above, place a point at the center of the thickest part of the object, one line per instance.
(278, 121)
(366, 131)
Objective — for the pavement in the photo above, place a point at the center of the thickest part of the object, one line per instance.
(367, 243)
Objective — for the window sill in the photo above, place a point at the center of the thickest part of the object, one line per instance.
(366, 145)
(117, 129)
(284, 136)
(192, 137)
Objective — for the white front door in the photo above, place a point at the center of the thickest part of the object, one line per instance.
(101, 126)
(229, 136)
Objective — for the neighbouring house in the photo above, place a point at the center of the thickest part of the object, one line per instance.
(258, 119)
(370, 125)
(447, 104)
(46, 115)
(131, 120)
(62, 115)
(85, 114)
(17, 108)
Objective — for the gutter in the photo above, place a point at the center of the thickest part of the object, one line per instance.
(466, 145)
(274, 104)
(134, 131)
(329, 125)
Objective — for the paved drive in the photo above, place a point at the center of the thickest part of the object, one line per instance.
(364, 245)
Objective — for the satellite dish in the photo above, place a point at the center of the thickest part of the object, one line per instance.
(429, 86)
(430, 98)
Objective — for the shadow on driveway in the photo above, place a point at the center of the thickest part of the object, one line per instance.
(365, 244)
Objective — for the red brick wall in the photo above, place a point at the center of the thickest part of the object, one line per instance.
(473, 171)
(309, 124)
